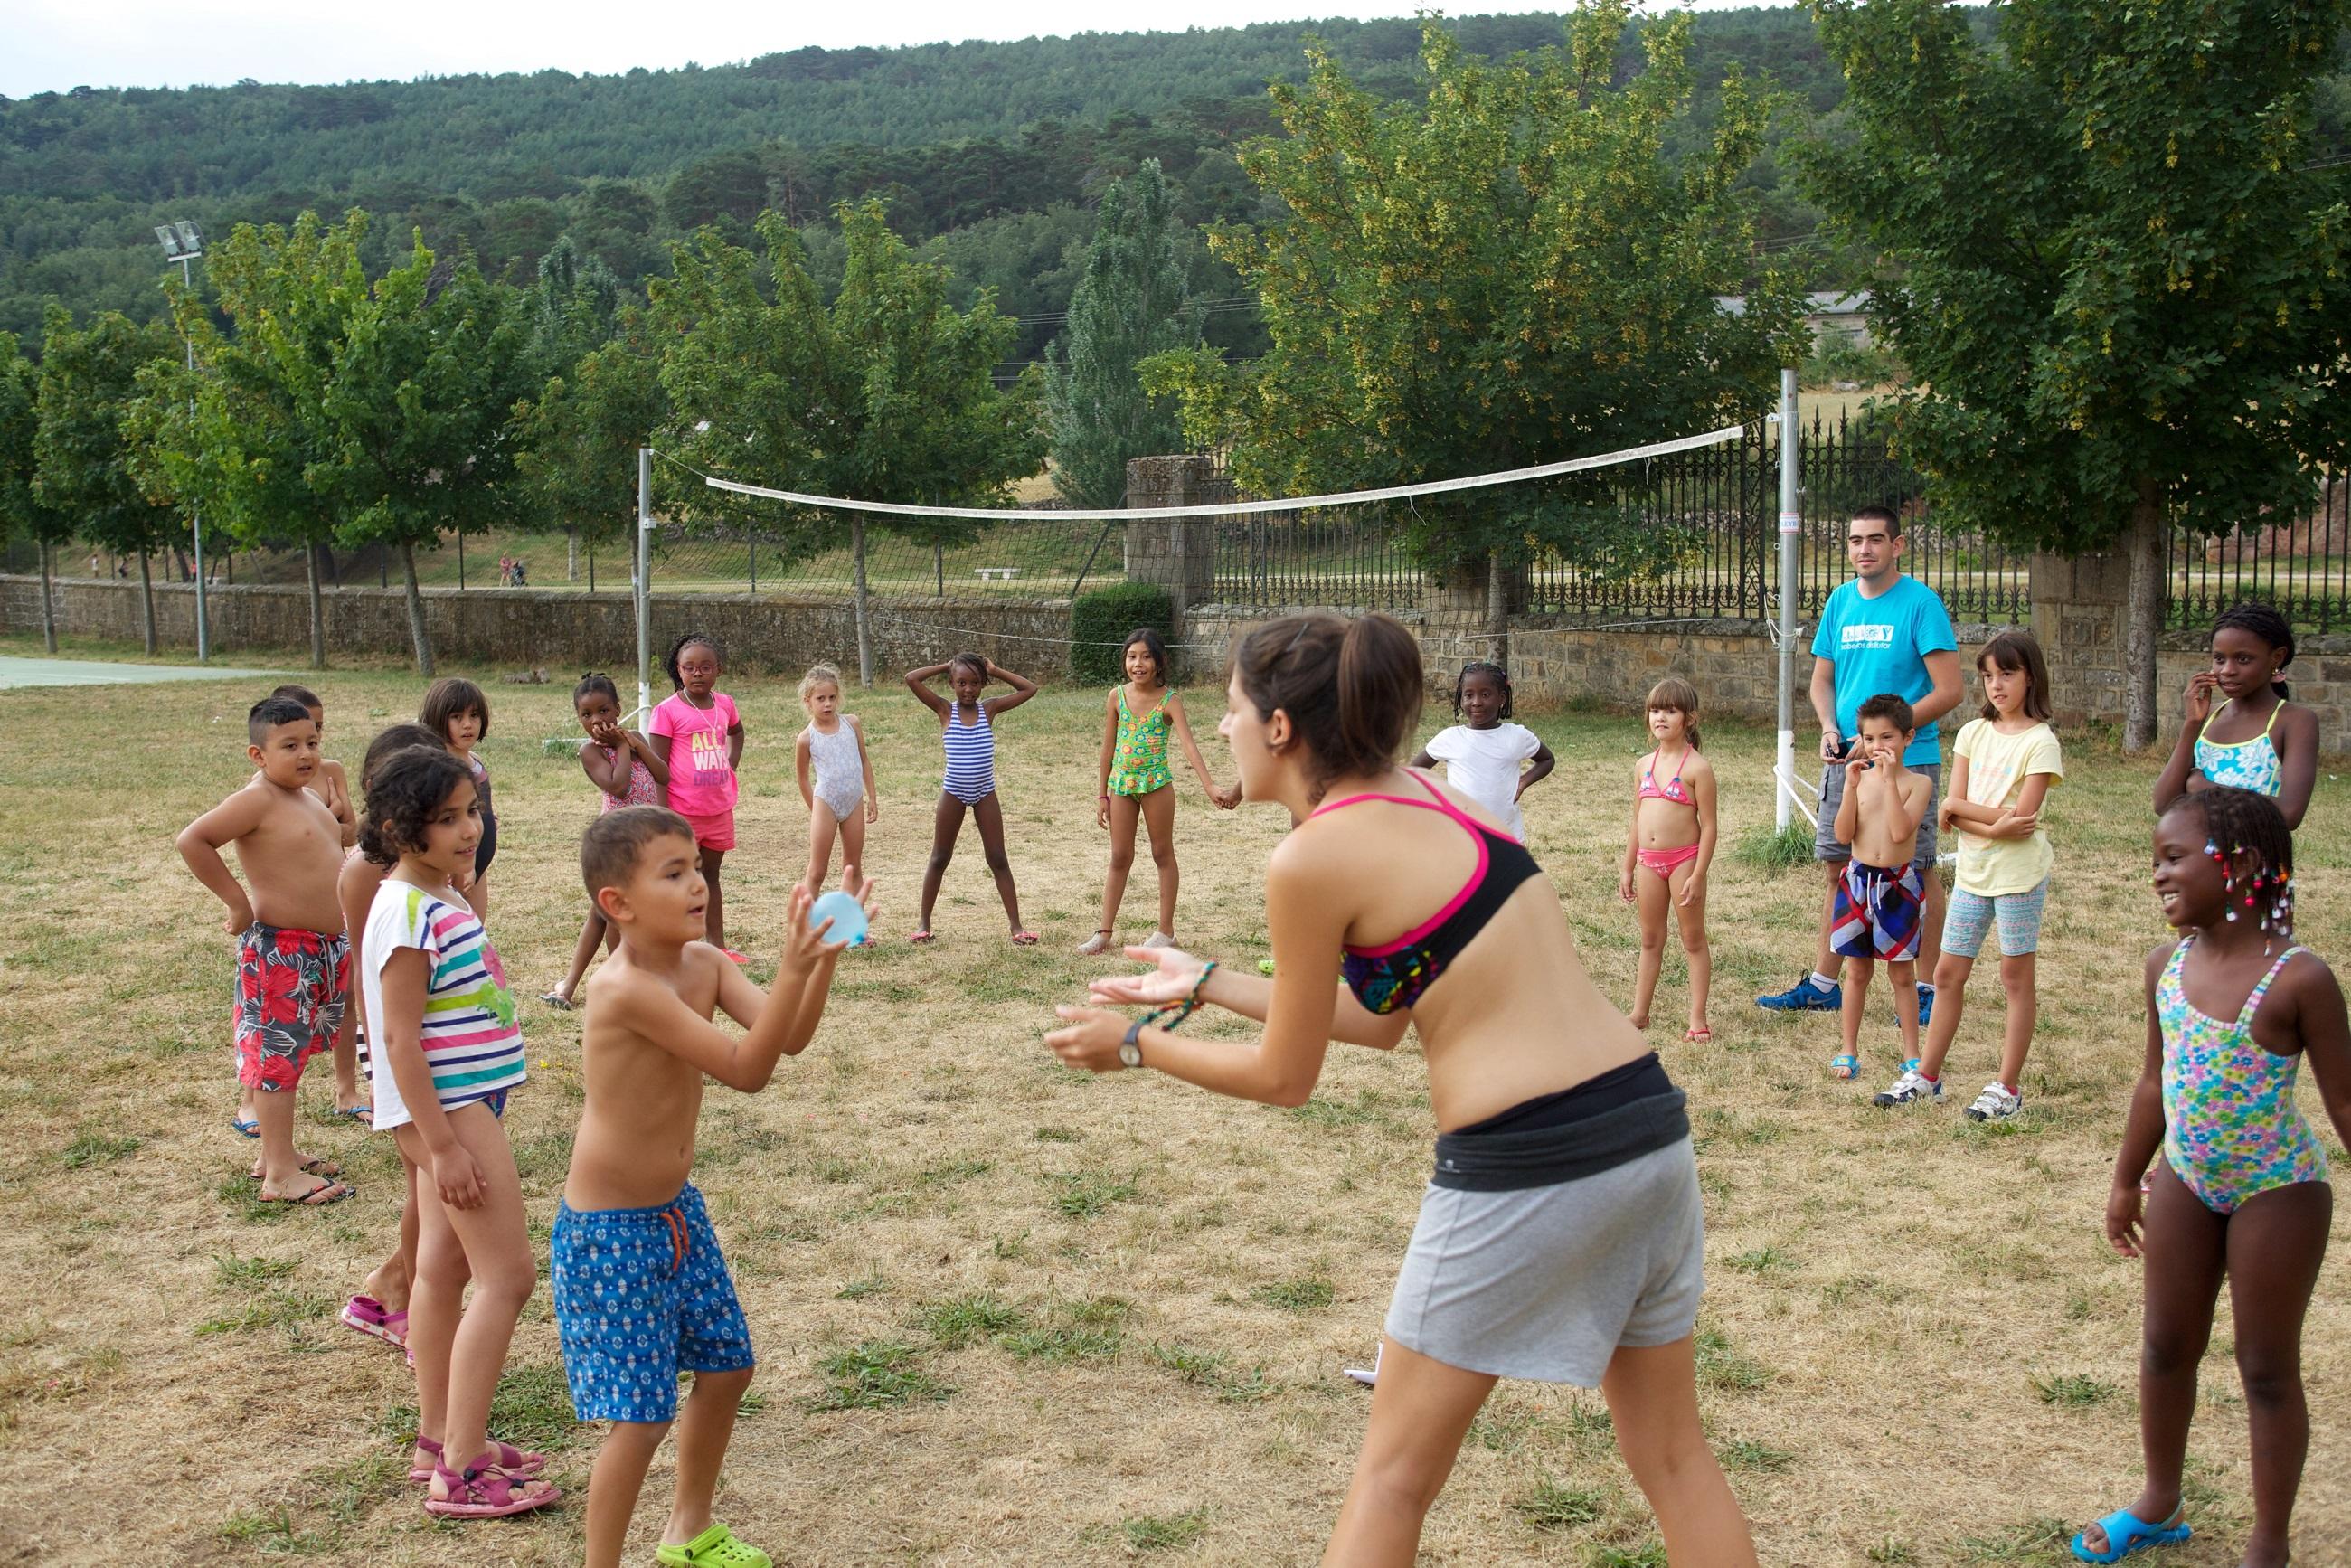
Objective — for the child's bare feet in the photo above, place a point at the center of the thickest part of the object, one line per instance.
(315, 1165)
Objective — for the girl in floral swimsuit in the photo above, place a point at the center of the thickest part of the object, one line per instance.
(1137, 785)
(2233, 1008)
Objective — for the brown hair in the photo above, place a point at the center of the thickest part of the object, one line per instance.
(2013, 651)
(1352, 688)
(447, 697)
(1679, 695)
(1895, 710)
(302, 695)
(391, 740)
(611, 848)
(404, 791)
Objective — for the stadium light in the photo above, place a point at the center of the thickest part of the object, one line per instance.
(184, 245)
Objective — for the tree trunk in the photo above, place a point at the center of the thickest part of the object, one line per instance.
(146, 606)
(417, 634)
(317, 612)
(49, 611)
(2142, 616)
(864, 640)
(1498, 608)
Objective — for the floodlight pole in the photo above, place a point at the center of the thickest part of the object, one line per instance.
(1791, 523)
(185, 249)
(643, 581)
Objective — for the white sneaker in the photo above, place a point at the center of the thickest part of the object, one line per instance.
(1911, 1087)
(1097, 942)
(1159, 939)
(1995, 1104)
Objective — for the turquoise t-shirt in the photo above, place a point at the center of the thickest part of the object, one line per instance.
(1881, 645)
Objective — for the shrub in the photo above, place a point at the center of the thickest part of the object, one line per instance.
(1099, 620)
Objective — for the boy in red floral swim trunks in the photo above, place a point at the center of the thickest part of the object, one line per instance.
(293, 962)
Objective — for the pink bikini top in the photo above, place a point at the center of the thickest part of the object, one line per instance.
(1671, 789)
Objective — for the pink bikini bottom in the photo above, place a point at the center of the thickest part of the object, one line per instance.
(1663, 862)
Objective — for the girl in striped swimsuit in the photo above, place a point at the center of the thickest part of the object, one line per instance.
(2233, 1008)
(967, 727)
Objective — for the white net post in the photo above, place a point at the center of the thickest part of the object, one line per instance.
(1791, 523)
(642, 577)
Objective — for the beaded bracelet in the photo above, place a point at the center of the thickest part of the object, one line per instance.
(1192, 1003)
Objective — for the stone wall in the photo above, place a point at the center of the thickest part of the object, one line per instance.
(559, 630)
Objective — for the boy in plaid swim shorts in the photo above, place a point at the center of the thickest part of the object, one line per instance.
(1880, 893)
(293, 962)
(641, 1292)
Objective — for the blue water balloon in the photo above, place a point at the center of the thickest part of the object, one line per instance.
(848, 916)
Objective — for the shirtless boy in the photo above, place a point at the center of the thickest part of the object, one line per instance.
(642, 1292)
(333, 787)
(1880, 895)
(293, 962)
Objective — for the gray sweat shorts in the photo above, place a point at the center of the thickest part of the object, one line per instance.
(1547, 1282)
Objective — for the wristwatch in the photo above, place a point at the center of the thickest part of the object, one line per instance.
(1130, 1050)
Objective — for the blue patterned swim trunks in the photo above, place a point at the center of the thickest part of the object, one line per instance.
(641, 1295)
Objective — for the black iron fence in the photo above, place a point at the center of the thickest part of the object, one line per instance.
(2302, 565)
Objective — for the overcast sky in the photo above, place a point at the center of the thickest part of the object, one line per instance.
(53, 45)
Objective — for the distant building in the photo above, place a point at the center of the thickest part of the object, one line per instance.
(1826, 311)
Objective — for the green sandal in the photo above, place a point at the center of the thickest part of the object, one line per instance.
(716, 1547)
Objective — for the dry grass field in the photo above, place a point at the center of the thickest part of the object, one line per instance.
(1013, 1315)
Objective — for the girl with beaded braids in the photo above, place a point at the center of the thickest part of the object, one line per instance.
(1561, 1235)
(2255, 739)
(2233, 1008)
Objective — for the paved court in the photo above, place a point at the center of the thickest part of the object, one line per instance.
(102, 672)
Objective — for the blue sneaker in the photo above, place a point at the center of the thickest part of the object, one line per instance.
(1926, 1005)
(1807, 994)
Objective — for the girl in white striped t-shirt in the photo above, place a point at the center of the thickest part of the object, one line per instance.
(442, 1023)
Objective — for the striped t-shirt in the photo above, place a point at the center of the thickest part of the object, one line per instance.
(469, 1036)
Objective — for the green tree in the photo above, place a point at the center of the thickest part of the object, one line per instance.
(82, 461)
(419, 408)
(580, 437)
(1511, 271)
(2094, 241)
(883, 395)
(1131, 302)
(21, 509)
(244, 440)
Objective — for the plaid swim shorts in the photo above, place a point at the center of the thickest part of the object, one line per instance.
(289, 1001)
(1877, 914)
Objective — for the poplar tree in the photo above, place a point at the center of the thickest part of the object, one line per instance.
(1132, 301)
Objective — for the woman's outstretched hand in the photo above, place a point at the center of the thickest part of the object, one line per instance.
(1173, 973)
(1090, 1039)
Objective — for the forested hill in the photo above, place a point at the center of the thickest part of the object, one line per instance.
(989, 152)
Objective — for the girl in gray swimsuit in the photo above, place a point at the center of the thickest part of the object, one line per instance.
(1560, 1237)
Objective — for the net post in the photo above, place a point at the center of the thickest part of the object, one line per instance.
(1792, 522)
(864, 631)
(642, 580)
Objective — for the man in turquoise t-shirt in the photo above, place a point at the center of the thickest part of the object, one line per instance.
(1881, 631)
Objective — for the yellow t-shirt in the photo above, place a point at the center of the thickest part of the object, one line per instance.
(1998, 765)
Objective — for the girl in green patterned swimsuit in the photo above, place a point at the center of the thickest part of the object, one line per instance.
(1136, 781)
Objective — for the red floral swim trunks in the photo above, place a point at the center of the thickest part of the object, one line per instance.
(289, 1001)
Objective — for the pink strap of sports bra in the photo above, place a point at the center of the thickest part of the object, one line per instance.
(1468, 824)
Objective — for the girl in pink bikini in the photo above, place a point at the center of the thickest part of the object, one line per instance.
(1670, 847)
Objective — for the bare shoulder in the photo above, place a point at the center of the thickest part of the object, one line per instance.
(2158, 956)
(2298, 721)
(2309, 978)
(1696, 766)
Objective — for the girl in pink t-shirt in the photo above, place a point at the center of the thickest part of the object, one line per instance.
(699, 738)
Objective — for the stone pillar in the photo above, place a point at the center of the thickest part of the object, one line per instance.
(1179, 554)
(2077, 617)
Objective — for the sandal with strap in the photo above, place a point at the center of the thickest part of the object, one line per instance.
(2126, 1533)
(505, 1455)
(373, 1317)
(1026, 938)
(556, 1000)
(486, 1491)
(717, 1547)
(1845, 1065)
(919, 938)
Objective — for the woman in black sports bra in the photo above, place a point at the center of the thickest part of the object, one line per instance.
(1560, 1237)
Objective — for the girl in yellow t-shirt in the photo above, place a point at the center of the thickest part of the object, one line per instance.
(2005, 763)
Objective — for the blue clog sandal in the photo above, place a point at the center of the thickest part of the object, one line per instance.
(2128, 1533)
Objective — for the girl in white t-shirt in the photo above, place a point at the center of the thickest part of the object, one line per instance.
(1484, 753)
(2003, 765)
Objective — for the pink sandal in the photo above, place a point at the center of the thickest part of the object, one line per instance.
(1025, 940)
(502, 1456)
(486, 1491)
(367, 1315)
(919, 938)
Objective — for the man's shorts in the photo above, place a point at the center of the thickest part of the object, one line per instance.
(1972, 914)
(289, 1001)
(1877, 913)
(715, 831)
(641, 1295)
(1826, 846)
